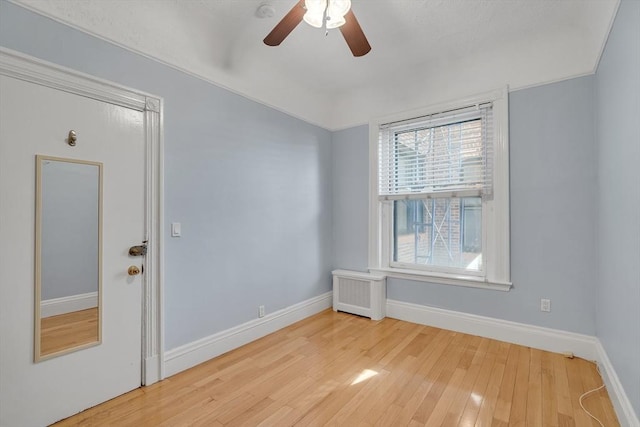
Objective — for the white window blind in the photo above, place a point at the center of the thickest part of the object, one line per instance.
(442, 155)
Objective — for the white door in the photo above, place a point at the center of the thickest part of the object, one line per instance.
(35, 119)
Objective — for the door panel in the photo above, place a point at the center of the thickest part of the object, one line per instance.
(36, 120)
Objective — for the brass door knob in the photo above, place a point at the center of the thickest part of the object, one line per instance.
(133, 270)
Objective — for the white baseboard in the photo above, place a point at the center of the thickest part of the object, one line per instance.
(585, 346)
(55, 306)
(194, 353)
(151, 370)
(518, 333)
(621, 403)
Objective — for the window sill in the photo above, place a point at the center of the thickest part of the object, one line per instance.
(443, 279)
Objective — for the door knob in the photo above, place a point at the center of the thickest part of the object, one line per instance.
(133, 270)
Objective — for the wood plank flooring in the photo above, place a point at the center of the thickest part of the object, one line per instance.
(68, 330)
(343, 370)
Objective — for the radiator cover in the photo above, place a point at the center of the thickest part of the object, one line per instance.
(364, 294)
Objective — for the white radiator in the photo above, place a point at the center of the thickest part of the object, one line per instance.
(364, 294)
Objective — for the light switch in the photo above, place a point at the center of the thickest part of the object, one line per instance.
(176, 229)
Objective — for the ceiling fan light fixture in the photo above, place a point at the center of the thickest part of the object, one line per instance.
(335, 23)
(322, 13)
(315, 12)
(338, 8)
(335, 10)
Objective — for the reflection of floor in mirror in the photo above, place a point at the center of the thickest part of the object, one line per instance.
(68, 330)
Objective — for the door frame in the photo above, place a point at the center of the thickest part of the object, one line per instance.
(24, 67)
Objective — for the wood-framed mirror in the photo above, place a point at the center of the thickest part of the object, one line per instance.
(68, 258)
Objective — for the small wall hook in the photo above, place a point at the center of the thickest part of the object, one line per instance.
(71, 140)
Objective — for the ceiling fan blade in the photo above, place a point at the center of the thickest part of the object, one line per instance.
(354, 35)
(286, 25)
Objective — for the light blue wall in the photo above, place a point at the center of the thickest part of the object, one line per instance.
(618, 202)
(351, 198)
(553, 225)
(250, 185)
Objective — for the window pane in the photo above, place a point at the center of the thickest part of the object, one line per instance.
(439, 158)
(440, 232)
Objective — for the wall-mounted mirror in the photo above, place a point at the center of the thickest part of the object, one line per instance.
(68, 270)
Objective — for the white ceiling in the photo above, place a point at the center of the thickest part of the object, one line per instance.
(423, 51)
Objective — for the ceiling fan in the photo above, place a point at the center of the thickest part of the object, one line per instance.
(322, 13)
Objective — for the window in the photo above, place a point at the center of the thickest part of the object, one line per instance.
(438, 232)
(439, 194)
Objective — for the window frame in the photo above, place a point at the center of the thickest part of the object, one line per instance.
(495, 273)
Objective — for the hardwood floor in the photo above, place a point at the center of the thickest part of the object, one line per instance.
(339, 369)
(68, 330)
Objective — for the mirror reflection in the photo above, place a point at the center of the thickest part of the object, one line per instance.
(68, 255)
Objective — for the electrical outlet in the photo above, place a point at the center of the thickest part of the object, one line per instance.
(545, 305)
(261, 311)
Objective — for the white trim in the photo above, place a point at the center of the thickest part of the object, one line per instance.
(151, 371)
(495, 218)
(621, 403)
(152, 330)
(24, 67)
(439, 108)
(64, 305)
(196, 352)
(20, 66)
(498, 223)
(444, 279)
(358, 275)
(159, 255)
(503, 330)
